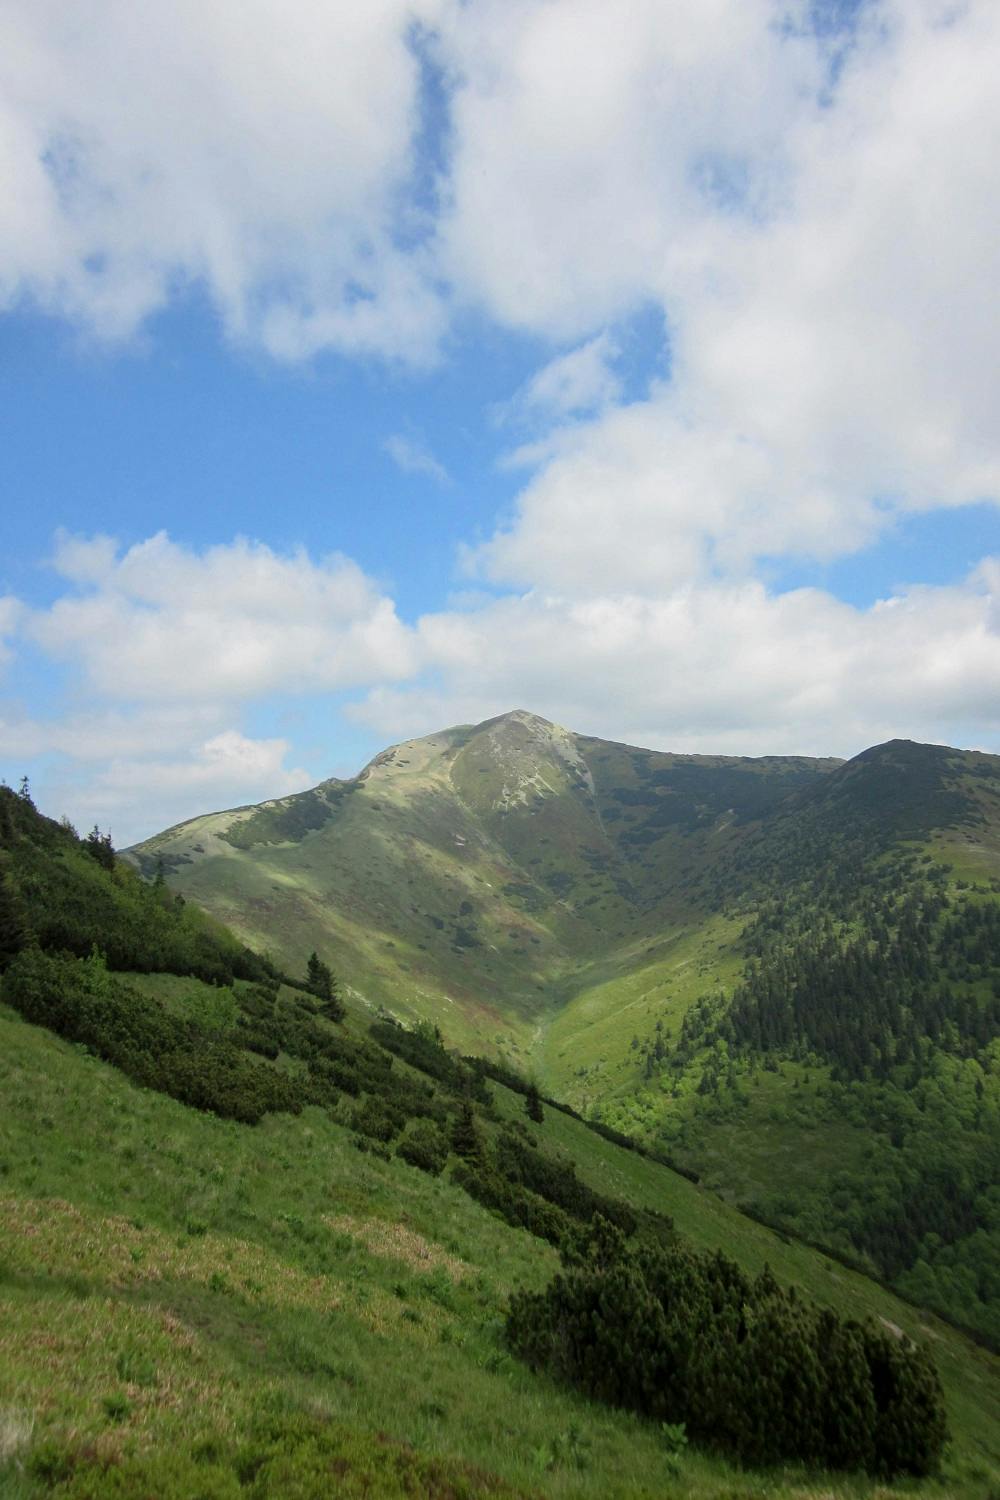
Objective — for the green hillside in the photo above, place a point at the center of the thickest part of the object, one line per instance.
(784, 972)
(469, 877)
(304, 1281)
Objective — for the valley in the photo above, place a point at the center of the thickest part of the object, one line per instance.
(758, 997)
(587, 911)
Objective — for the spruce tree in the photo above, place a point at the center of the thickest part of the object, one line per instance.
(321, 983)
(465, 1139)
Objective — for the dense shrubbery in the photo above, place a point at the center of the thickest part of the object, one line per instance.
(423, 1049)
(751, 1369)
(424, 1145)
(73, 895)
(82, 1002)
(556, 1181)
(517, 1205)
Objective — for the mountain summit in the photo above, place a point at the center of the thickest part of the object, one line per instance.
(462, 874)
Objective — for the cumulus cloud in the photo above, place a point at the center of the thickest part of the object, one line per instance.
(264, 152)
(825, 253)
(170, 648)
(720, 667)
(161, 622)
(821, 242)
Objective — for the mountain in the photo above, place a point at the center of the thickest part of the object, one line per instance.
(255, 1244)
(461, 876)
(783, 971)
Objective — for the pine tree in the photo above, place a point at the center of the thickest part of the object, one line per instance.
(98, 845)
(465, 1139)
(321, 983)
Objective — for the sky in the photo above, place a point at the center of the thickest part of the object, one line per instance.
(370, 369)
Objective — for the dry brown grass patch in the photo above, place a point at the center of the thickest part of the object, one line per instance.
(393, 1241)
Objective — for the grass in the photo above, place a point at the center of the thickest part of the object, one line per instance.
(169, 1279)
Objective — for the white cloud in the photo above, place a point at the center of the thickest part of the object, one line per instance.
(414, 457)
(163, 623)
(833, 320)
(723, 667)
(825, 257)
(589, 144)
(171, 647)
(225, 771)
(264, 151)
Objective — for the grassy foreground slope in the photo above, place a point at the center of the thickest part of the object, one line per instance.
(267, 1297)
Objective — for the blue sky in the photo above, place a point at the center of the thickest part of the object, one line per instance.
(367, 370)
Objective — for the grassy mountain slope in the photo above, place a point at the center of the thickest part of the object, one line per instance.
(192, 1304)
(175, 1283)
(471, 876)
(840, 1071)
(650, 933)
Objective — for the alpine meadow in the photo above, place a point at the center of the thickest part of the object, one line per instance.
(499, 750)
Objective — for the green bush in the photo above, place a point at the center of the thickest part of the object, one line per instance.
(424, 1145)
(745, 1366)
(81, 1001)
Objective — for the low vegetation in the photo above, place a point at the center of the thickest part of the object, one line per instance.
(232, 1212)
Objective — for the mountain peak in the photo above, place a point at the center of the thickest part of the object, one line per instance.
(518, 716)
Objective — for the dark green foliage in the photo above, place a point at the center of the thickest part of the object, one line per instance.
(320, 982)
(73, 898)
(423, 1048)
(13, 928)
(876, 967)
(751, 1369)
(466, 1140)
(377, 1120)
(424, 1145)
(81, 1001)
(533, 1104)
(98, 846)
(289, 821)
(518, 1206)
(519, 1164)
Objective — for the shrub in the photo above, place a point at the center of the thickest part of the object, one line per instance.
(745, 1366)
(424, 1145)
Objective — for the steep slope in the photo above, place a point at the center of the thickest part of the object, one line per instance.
(842, 1074)
(291, 1284)
(468, 877)
(784, 971)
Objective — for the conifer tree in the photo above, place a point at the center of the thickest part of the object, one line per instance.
(465, 1139)
(321, 983)
(533, 1104)
(98, 845)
